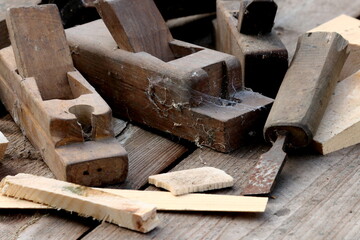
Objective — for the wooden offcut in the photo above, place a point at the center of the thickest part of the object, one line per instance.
(165, 201)
(263, 57)
(85, 201)
(64, 118)
(349, 28)
(340, 126)
(198, 96)
(192, 180)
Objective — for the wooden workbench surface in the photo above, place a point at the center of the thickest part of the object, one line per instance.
(317, 197)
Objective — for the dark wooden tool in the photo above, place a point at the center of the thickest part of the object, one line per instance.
(244, 30)
(300, 104)
(256, 16)
(148, 77)
(57, 109)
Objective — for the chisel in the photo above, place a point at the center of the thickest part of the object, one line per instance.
(299, 104)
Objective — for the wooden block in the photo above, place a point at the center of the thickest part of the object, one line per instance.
(165, 201)
(340, 126)
(264, 58)
(256, 16)
(307, 88)
(36, 44)
(184, 101)
(75, 136)
(3, 145)
(85, 201)
(349, 28)
(137, 26)
(192, 180)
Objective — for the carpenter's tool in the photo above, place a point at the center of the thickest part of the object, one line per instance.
(300, 104)
(148, 77)
(57, 109)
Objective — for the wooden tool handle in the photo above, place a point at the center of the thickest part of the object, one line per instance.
(307, 87)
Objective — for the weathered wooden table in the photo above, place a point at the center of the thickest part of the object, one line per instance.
(317, 197)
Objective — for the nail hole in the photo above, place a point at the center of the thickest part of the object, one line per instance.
(99, 169)
(86, 173)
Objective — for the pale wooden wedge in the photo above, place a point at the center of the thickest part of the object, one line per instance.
(85, 201)
(192, 180)
(165, 201)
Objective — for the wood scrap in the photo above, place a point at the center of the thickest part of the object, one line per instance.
(349, 28)
(192, 180)
(85, 201)
(340, 126)
(63, 116)
(165, 201)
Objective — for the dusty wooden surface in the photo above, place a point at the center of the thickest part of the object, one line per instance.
(317, 197)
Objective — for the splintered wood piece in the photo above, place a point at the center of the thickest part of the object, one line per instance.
(192, 180)
(256, 16)
(74, 135)
(349, 28)
(3, 145)
(165, 201)
(307, 88)
(264, 58)
(137, 26)
(263, 176)
(340, 125)
(41, 50)
(85, 201)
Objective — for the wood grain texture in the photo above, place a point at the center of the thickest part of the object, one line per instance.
(165, 201)
(339, 127)
(168, 96)
(137, 26)
(349, 28)
(85, 201)
(192, 180)
(4, 5)
(307, 88)
(35, 46)
(315, 198)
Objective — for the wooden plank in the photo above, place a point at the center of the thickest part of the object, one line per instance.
(310, 188)
(165, 201)
(35, 57)
(349, 28)
(192, 180)
(137, 26)
(144, 150)
(4, 5)
(255, 52)
(85, 201)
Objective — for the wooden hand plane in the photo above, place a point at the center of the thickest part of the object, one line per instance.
(56, 108)
(150, 78)
(244, 29)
